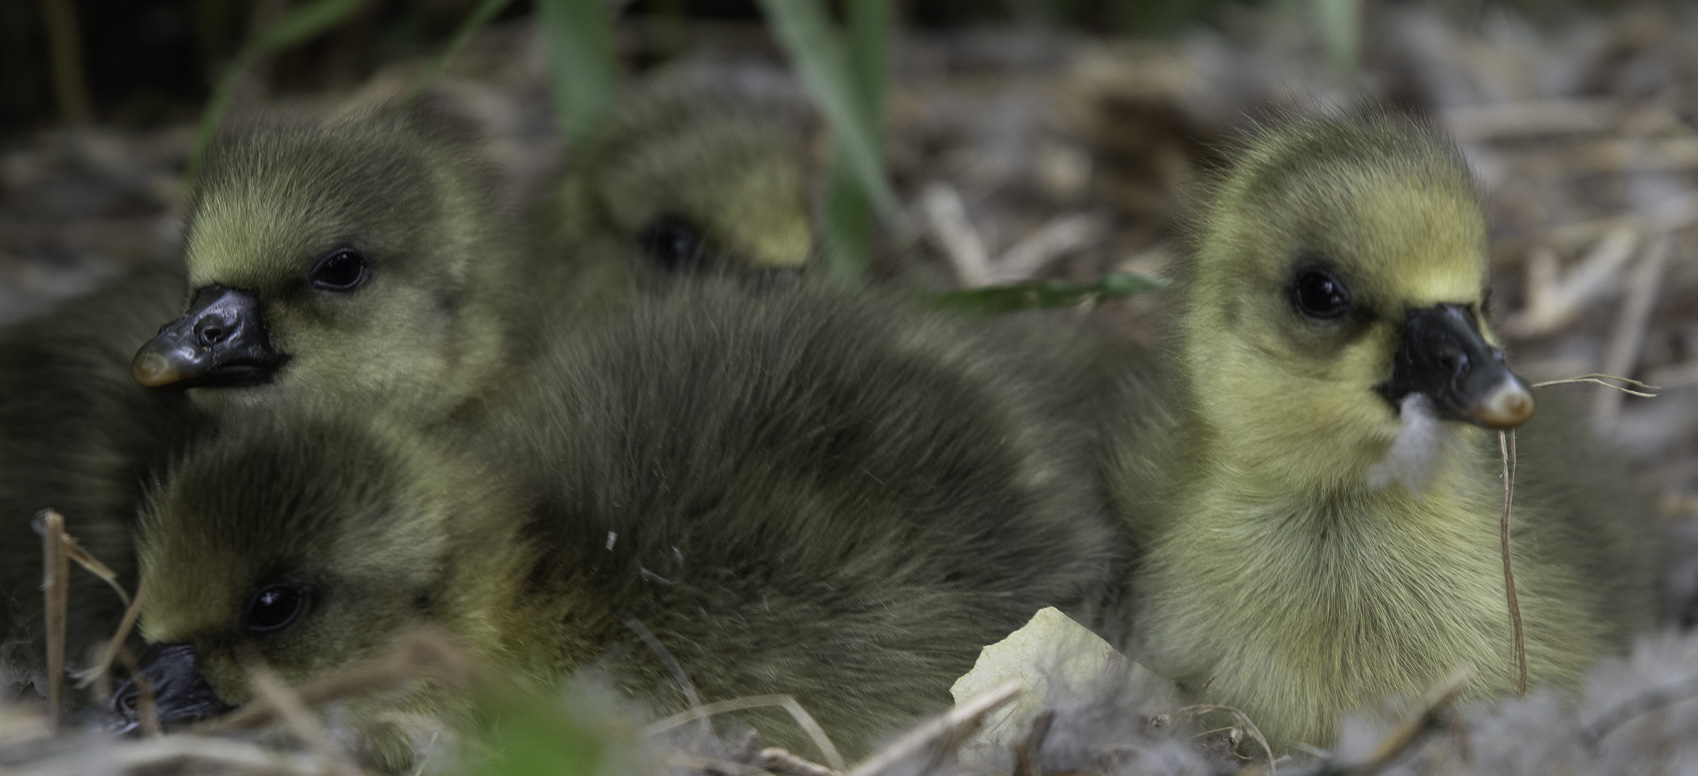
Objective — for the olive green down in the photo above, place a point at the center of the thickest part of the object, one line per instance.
(1314, 547)
(77, 435)
(813, 493)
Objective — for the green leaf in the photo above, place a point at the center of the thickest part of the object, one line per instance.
(581, 62)
(1041, 294)
(804, 30)
(480, 18)
(306, 21)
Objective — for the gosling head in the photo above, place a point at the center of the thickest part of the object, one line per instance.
(361, 260)
(698, 179)
(1339, 290)
(306, 542)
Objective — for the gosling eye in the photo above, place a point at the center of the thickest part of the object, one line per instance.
(673, 244)
(1320, 294)
(343, 270)
(273, 608)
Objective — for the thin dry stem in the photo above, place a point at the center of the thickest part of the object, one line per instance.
(155, 753)
(954, 232)
(947, 732)
(95, 567)
(1554, 299)
(1506, 443)
(1413, 728)
(412, 654)
(779, 760)
(1597, 378)
(113, 645)
(806, 721)
(147, 708)
(1629, 334)
(296, 717)
(1243, 722)
(55, 586)
(689, 688)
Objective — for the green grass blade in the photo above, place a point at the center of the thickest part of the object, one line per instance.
(581, 62)
(850, 212)
(849, 222)
(1041, 294)
(871, 27)
(479, 19)
(305, 22)
(804, 31)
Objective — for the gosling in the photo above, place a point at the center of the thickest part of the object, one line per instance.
(811, 493)
(1328, 533)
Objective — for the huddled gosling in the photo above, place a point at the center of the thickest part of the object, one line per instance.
(78, 436)
(689, 177)
(811, 493)
(363, 260)
(1328, 538)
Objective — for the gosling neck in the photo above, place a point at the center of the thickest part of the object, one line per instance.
(1287, 468)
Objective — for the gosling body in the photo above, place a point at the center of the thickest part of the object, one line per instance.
(1328, 534)
(809, 493)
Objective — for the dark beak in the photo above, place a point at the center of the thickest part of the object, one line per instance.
(219, 342)
(1444, 357)
(180, 694)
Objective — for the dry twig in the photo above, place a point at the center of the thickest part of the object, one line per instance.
(147, 708)
(55, 586)
(803, 719)
(233, 755)
(297, 717)
(102, 666)
(944, 734)
(1409, 732)
(1629, 334)
(1506, 443)
(956, 236)
(412, 654)
(1554, 299)
(1244, 722)
(779, 760)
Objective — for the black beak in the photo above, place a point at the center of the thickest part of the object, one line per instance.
(1444, 357)
(180, 694)
(220, 341)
